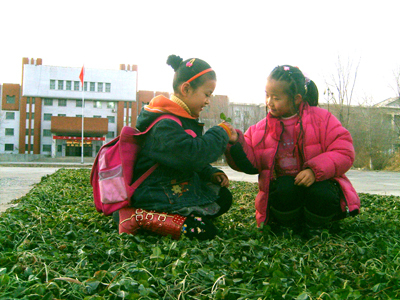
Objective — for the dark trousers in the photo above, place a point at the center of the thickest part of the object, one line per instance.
(318, 203)
(201, 227)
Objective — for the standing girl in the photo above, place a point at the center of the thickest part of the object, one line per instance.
(301, 153)
(185, 192)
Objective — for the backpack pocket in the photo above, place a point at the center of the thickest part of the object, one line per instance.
(112, 185)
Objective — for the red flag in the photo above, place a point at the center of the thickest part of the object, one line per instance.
(82, 74)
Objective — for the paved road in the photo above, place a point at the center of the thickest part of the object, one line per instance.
(15, 182)
(382, 183)
(372, 182)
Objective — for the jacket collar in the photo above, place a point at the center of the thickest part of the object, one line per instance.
(161, 104)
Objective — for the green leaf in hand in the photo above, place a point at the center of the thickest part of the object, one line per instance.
(223, 117)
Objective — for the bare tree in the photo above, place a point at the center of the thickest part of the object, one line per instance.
(341, 88)
(396, 87)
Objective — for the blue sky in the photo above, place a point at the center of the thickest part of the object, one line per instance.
(242, 40)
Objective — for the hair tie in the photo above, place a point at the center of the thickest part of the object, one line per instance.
(199, 74)
(306, 83)
(190, 63)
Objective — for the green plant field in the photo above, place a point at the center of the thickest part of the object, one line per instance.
(54, 245)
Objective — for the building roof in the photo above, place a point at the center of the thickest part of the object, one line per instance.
(391, 102)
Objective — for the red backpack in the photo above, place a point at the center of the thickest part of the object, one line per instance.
(112, 171)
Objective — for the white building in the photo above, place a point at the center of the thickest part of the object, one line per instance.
(43, 115)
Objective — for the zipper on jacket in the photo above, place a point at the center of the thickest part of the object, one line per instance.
(273, 170)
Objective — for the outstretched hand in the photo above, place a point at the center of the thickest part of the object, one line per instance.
(220, 179)
(234, 136)
(305, 178)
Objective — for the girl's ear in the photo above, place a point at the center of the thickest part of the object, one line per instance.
(185, 88)
(298, 99)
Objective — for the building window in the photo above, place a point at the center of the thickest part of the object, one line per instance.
(76, 85)
(111, 119)
(100, 87)
(96, 116)
(10, 115)
(78, 116)
(47, 117)
(33, 100)
(92, 86)
(10, 99)
(78, 103)
(62, 115)
(46, 132)
(111, 105)
(32, 115)
(9, 131)
(110, 134)
(52, 84)
(9, 147)
(46, 148)
(59, 148)
(26, 147)
(48, 102)
(68, 86)
(85, 86)
(27, 131)
(97, 104)
(61, 84)
(62, 102)
(108, 87)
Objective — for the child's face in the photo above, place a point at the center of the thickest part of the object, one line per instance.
(277, 100)
(197, 99)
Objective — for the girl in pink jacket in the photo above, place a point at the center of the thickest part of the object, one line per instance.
(301, 153)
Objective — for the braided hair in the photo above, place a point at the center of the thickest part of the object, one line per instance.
(184, 70)
(298, 84)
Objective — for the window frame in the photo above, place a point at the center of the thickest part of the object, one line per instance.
(9, 131)
(61, 102)
(52, 84)
(108, 87)
(47, 101)
(10, 113)
(5, 147)
(68, 85)
(111, 119)
(46, 132)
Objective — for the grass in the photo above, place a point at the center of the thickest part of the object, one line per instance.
(54, 245)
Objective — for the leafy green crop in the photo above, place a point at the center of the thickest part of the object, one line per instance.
(223, 117)
(54, 245)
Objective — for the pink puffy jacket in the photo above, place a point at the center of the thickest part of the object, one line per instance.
(325, 145)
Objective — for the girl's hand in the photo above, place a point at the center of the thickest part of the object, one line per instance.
(234, 136)
(220, 179)
(305, 178)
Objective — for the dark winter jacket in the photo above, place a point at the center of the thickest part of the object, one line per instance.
(184, 155)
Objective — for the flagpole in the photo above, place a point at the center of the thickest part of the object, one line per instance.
(83, 105)
(81, 77)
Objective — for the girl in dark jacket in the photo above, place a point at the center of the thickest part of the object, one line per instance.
(185, 187)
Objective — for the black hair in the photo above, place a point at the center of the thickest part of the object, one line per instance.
(297, 83)
(184, 70)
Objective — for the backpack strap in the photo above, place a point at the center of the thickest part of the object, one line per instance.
(139, 181)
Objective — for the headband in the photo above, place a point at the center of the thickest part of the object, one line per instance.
(199, 74)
